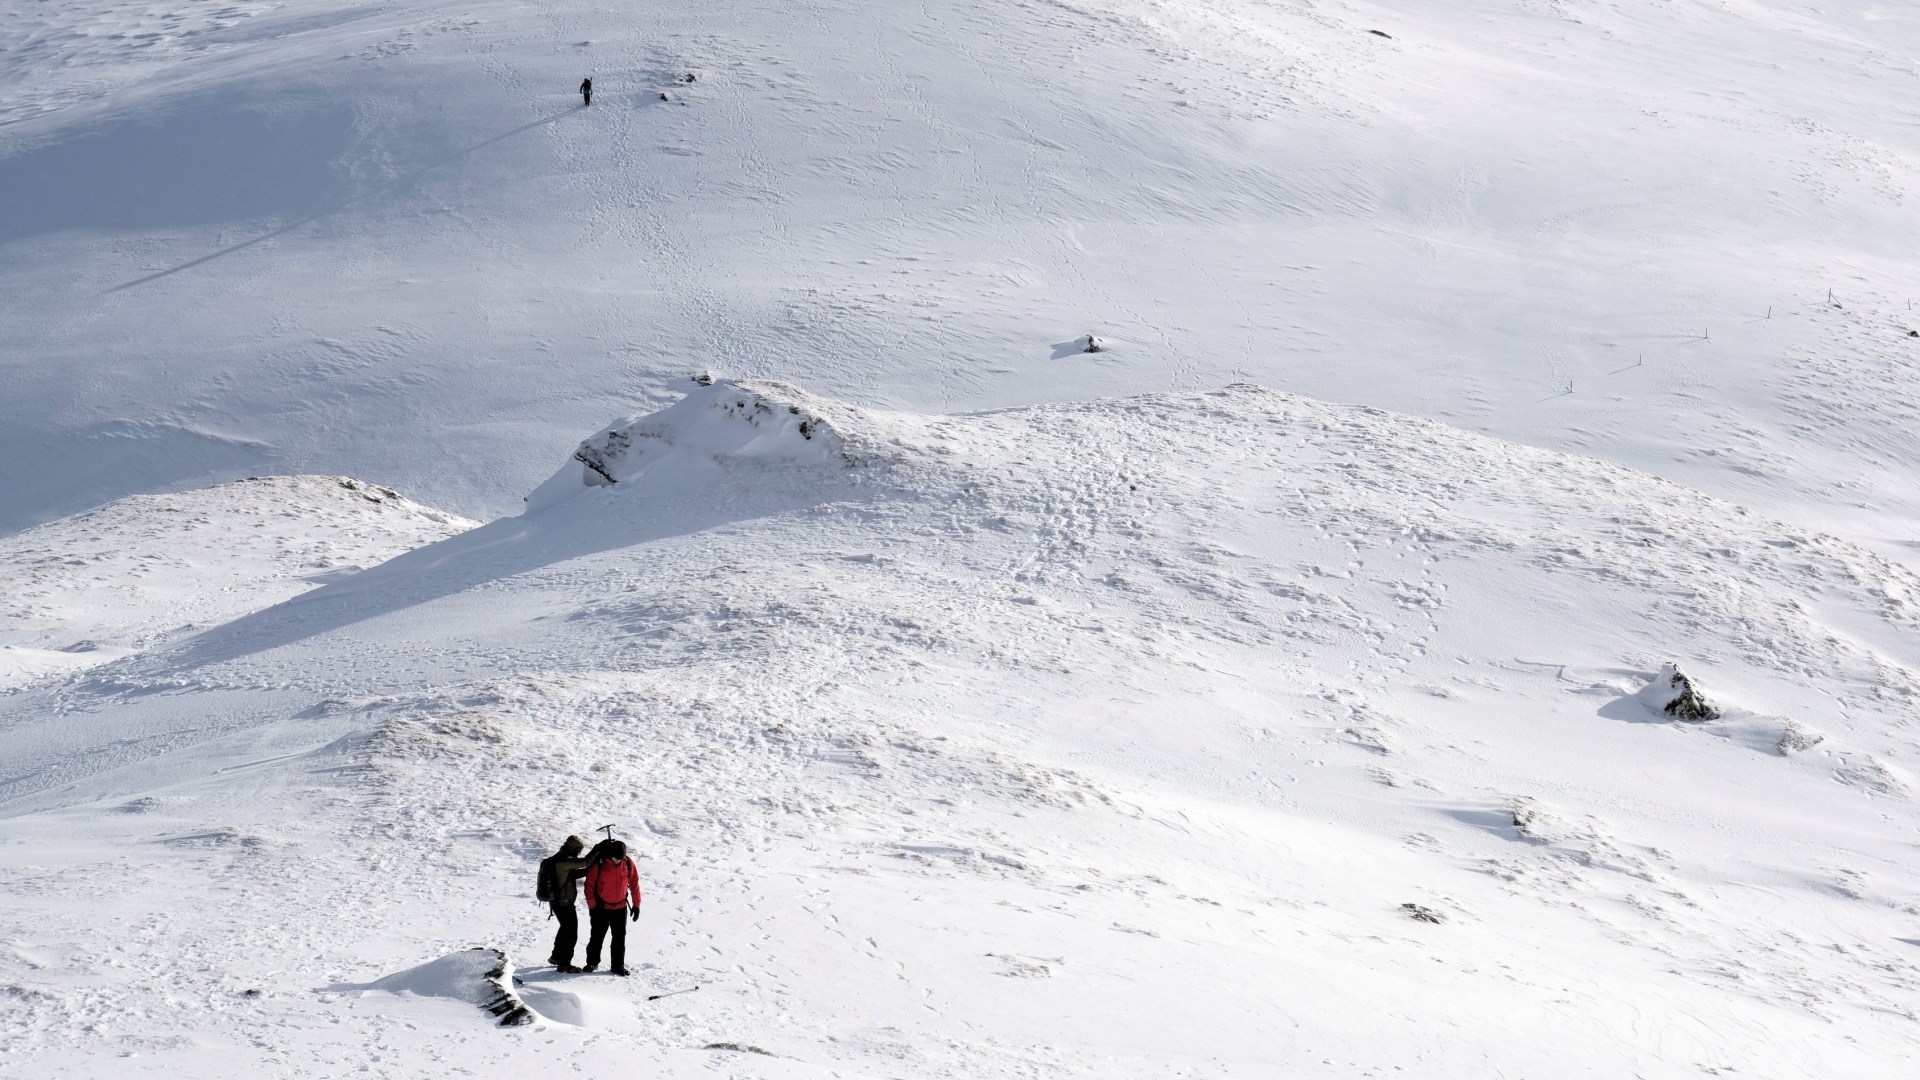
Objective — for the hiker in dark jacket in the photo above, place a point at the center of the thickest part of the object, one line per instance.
(586, 92)
(562, 871)
(613, 891)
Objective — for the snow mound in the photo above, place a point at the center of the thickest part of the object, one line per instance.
(148, 569)
(1797, 739)
(1672, 693)
(722, 430)
(483, 977)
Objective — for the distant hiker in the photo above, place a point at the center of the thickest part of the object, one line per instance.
(559, 873)
(586, 92)
(613, 890)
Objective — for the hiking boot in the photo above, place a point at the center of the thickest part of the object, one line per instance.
(567, 969)
(589, 969)
(622, 972)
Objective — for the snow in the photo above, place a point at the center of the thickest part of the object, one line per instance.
(702, 440)
(1671, 693)
(1278, 690)
(151, 568)
(385, 241)
(959, 750)
(480, 977)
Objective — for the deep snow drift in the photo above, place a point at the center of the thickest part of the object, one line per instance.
(1222, 734)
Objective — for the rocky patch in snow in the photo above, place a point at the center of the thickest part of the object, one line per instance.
(481, 976)
(735, 428)
(1672, 693)
(1797, 739)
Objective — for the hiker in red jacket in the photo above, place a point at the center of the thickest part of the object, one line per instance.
(613, 890)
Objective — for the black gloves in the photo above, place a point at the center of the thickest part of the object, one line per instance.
(633, 913)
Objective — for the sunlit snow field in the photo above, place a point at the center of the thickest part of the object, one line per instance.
(976, 705)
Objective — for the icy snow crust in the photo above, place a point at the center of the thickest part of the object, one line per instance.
(1101, 740)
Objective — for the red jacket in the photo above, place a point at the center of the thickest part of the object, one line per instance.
(609, 884)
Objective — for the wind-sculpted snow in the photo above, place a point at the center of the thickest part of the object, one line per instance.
(151, 569)
(709, 437)
(948, 744)
(481, 977)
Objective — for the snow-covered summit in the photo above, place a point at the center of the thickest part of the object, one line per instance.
(708, 438)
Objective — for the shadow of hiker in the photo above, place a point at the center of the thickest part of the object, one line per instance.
(390, 185)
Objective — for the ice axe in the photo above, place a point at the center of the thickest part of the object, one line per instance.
(608, 829)
(671, 993)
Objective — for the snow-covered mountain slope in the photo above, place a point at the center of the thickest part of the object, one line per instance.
(1118, 739)
(1163, 730)
(383, 239)
(152, 568)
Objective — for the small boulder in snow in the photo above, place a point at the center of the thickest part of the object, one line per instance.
(1796, 739)
(1675, 695)
(481, 976)
(1418, 913)
(1531, 822)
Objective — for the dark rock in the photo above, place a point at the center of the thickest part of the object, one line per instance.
(1672, 693)
(504, 1003)
(1422, 914)
(738, 1048)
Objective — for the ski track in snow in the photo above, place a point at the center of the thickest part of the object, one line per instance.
(1084, 740)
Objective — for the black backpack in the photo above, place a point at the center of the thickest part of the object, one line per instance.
(547, 885)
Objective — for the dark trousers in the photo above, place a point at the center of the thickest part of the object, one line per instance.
(568, 933)
(605, 920)
(586, 97)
